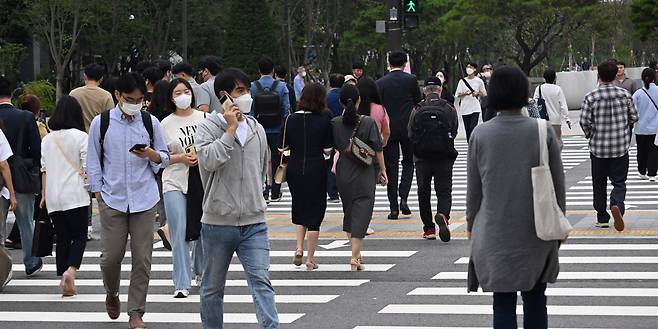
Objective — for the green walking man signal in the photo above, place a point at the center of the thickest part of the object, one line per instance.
(411, 6)
(411, 19)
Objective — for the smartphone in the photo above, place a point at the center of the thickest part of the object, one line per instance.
(137, 147)
(190, 150)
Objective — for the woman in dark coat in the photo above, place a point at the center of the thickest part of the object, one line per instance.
(307, 133)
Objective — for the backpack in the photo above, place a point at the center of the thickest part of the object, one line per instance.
(105, 124)
(5, 267)
(431, 135)
(267, 105)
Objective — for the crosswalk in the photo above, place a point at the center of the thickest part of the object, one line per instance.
(36, 300)
(617, 291)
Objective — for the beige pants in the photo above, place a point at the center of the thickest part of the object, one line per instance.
(558, 134)
(115, 228)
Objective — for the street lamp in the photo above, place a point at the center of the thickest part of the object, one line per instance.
(393, 14)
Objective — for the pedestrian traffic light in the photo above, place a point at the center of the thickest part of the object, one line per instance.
(411, 19)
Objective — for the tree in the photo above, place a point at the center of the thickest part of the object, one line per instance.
(644, 15)
(250, 34)
(61, 29)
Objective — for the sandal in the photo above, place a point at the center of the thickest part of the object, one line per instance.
(310, 266)
(356, 265)
(297, 260)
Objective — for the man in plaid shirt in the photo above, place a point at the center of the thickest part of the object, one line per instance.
(607, 118)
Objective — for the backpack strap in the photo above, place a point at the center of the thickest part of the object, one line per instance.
(105, 124)
(274, 85)
(148, 124)
(259, 87)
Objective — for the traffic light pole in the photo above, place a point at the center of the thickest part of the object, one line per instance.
(393, 26)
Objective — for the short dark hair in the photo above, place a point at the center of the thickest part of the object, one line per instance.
(130, 82)
(94, 72)
(153, 74)
(159, 100)
(30, 103)
(163, 65)
(280, 71)
(67, 115)
(211, 63)
(6, 87)
(229, 79)
(357, 65)
(336, 80)
(143, 65)
(621, 63)
(648, 76)
(653, 64)
(508, 89)
(183, 68)
(171, 106)
(109, 85)
(313, 98)
(397, 58)
(473, 64)
(369, 94)
(550, 76)
(608, 71)
(265, 65)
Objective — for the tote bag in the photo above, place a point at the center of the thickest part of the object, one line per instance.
(550, 222)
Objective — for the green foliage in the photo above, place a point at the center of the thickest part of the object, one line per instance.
(45, 91)
(250, 34)
(644, 15)
(10, 55)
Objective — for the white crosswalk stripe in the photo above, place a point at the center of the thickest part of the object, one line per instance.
(583, 297)
(294, 286)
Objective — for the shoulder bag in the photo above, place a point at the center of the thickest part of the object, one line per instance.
(358, 150)
(282, 169)
(81, 172)
(550, 222)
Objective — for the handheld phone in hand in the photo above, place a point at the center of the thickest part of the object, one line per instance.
(190, 150)
(137, 147)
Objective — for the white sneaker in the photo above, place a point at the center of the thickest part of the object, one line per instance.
(652, 178)
(644, 177)
(181, 293)
(370, 231)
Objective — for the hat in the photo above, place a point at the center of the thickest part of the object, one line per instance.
(349, 77)
(433, 81)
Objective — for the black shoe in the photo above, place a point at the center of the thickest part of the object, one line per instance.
(267, 198)
(276, 198)
(444, 231)
(34, 271)
(394, 215)
(405, 208)
(13, 244)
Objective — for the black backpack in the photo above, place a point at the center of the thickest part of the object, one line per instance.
(431, 135)
(105, 124)
(268, 105)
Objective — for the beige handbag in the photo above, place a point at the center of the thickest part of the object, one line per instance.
(358, 150)
(282, 169)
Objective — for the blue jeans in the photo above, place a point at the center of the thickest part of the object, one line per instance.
(535, 315)
(253, 249)
(175, 204)
(25, 220)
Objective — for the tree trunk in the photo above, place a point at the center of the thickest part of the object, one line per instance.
(59, 83)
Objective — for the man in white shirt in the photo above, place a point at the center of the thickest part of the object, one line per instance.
(467, 98)
(556, 103)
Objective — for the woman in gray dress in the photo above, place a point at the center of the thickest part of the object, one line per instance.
(356, 183)
(506, 254)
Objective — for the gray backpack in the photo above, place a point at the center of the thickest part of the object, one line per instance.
(5, 267)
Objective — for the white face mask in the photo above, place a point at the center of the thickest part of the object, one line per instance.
(303, 74)
(183, 101)
(131, 109)
(244, 103)
(441, 77)
(487, 74)
(470, 70)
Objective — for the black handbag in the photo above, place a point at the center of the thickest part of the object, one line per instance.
(23, 173)
(541, 106)
(42, 243)
(194, 205)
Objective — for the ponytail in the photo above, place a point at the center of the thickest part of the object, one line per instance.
(648, 76)
(349, 96)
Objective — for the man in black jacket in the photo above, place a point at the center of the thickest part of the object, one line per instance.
(20, 126)
(399, 92)
(432, 130)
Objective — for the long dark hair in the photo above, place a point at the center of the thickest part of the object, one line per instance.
(171, 106)
(159, 100)
(369, 94)
(67, 115)
(313, 98)
(648, 76)
(349, 96)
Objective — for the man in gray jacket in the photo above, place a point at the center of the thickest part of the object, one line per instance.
(233, 161)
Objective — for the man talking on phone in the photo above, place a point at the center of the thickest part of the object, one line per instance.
(233, 158)
(126, 149)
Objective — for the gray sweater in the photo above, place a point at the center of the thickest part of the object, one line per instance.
(506, 254)
(232, 174)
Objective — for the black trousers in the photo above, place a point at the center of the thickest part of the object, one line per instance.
(439, 171)
(470, 122)
(71, 230)
(535, 314)
(274, 142)
(392, 160)
(615, 169)
(647, 155)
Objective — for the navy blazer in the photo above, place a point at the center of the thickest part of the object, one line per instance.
(12, 119)
(400, 93)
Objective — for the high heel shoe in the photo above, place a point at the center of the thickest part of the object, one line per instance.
(356, 265)
(310, 266)
(297, 260)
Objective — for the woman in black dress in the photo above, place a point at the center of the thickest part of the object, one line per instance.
(307, 133)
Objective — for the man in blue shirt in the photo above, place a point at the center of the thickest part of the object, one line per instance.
(123, 179)
(336, 81)
(299, 82)
(266, 67)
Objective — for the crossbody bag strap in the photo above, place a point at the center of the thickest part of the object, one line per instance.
(468, 85)
(651, 99)
(356, 128)
(283, 142)
(78, 169)
(540, 96)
